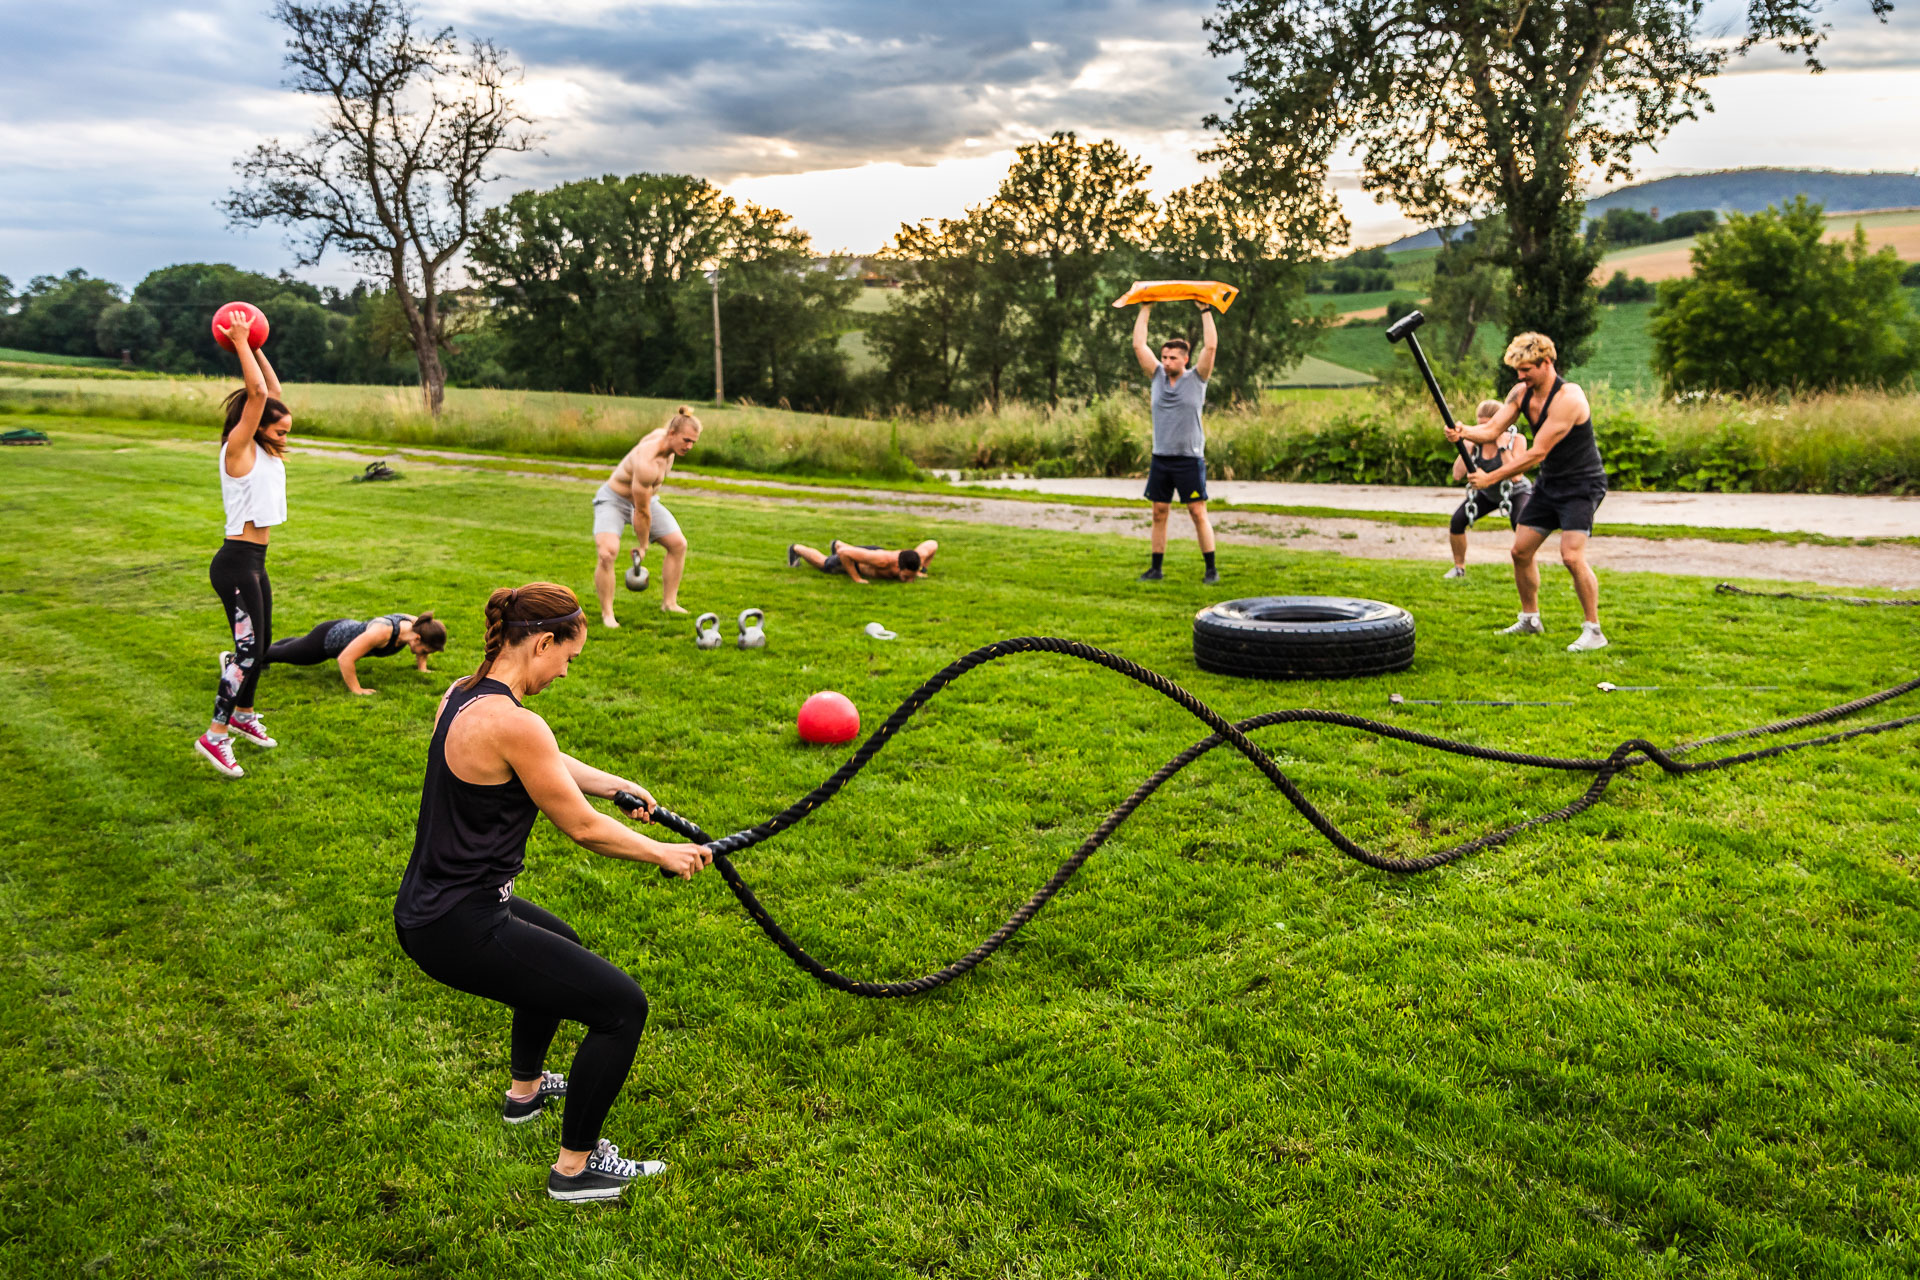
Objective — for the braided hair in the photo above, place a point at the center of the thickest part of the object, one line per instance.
(516, 615)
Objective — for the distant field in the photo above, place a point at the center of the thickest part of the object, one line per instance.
(1622, 353)
(1672, 259)
(9, 355)
(1312, 371)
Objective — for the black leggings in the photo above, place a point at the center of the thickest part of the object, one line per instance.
(305, 651)
(239, 577)
(529, 960)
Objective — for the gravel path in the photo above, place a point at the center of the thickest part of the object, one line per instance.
(1890, 565)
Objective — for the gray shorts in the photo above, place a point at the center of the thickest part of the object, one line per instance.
(613, 514)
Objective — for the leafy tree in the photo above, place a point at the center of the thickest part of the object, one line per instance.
(1622, 288)
(780, 314)
(1771, 306)
(1470, 287)
(1619, 228)
(127, 329)
(394, 174)
(1911, 276)
(924, 338)
(61, 314)
(1691, 223)
(6, 310)
(1071, 207)
(1465, 105)
(1214, 230)
(600, 283)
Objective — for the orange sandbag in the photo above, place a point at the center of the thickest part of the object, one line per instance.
(1212, 292)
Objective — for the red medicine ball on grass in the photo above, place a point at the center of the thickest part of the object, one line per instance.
(828, 717)
(223, 318)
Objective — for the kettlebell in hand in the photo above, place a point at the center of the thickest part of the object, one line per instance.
(637, 576)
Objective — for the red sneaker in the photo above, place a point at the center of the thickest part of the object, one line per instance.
(250, 731)
(218, 752)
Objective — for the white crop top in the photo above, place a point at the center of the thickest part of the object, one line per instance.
(259, 496)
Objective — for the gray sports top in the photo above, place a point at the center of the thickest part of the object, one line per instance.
(1176, 414)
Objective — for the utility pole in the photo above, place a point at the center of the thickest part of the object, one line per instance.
(719, 380)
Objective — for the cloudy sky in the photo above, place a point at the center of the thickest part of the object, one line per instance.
(120, 121)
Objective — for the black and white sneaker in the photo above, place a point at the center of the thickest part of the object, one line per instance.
(1211, 579)
(519, 1111)
(793, 556)
(1152, 575)
(605, 1177)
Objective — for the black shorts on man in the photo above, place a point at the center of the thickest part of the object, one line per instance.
(1570, 511)
(1181, 474)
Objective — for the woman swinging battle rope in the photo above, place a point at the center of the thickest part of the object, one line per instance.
(1629, 754)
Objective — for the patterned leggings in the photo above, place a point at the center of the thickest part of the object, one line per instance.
(239, 577)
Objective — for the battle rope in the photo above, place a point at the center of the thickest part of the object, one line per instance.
(1728, 589)
(1629, 754)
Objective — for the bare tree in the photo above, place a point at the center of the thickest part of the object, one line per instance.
(393, 175)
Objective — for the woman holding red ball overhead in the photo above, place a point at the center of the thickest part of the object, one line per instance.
(253, 487)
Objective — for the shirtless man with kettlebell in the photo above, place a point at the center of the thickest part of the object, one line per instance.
(631, 496)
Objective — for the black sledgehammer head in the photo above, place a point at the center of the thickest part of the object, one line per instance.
(662, 816)
(1405, 325)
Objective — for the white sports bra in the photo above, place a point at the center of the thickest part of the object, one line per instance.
(259, 496)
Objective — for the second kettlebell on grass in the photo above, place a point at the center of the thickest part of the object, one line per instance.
(752, 635)
(706, 631)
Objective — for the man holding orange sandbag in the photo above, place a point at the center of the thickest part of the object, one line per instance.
(1178, 397)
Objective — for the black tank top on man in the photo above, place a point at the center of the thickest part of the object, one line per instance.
(1573, 465)
(472, 837)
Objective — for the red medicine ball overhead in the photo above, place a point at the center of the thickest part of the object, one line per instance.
(256, 335)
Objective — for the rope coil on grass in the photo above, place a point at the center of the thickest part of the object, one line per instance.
(1628, 755)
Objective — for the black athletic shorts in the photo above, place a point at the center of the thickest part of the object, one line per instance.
(1177, 473)
(1571, 512)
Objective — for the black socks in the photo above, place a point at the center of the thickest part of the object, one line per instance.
(1158, 556)
(1209, 558)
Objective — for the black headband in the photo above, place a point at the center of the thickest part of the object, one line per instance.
(545, 622)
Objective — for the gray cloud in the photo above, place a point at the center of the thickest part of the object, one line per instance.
(119, 122)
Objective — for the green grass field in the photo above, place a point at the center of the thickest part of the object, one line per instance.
(1673, 1037)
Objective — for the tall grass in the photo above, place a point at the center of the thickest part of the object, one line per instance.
(1860, 442)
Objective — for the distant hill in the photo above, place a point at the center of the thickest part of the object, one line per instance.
(1741, 191)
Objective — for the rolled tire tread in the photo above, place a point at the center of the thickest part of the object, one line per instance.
(1361, 638)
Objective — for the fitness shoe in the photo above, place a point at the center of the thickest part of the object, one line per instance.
(218, 752)
(521, 1110)
(1152, 575)
(1590, 638)
(793, 557)
(251, 731)
(1458, 571)
(1212, 578)
(1529, 625)
(605, 1177)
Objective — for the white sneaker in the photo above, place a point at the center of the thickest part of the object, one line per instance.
(1529, 625)
(1458, 571)
(1590, 638)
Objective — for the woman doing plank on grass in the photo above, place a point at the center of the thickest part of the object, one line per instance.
(347, 640)
(492, 768)
(253, 486)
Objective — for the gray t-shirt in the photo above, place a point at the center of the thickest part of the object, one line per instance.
(1176, 414)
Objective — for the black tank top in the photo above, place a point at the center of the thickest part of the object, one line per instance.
(471, 837)
(1482, 463)
(1574, 463)
(394, 643)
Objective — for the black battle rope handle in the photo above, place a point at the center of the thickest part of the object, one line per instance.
(1629, 754)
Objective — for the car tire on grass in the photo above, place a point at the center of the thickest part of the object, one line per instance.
(1303, 638)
